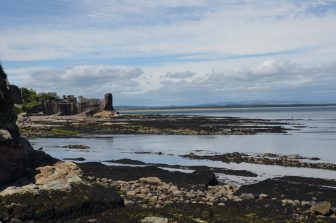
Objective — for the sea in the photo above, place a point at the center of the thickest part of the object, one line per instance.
(315, 136)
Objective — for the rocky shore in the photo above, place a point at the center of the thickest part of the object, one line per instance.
(35, 187)
(65, 126)
(92, 192)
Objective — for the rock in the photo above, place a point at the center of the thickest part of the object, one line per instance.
(263, 196)
(48, 204)
(105, 114)
(16, 94)
(7, 115)
(17, 157)
(14, 220)
(58, 176)
(246, 196)
(12, 163)
(130, 193)
(287, 201)
(76, 146)
(154, 220)
(196, 178)
(5, 136)
(153, 199)
(150, 180)
(305, 203)
(322, 208)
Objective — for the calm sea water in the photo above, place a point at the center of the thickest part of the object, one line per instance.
(317, 139)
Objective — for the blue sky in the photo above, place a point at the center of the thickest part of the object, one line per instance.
(178, 52)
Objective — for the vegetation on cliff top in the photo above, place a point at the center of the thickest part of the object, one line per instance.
(32, 99)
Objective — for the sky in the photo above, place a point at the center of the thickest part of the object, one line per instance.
(173, 52)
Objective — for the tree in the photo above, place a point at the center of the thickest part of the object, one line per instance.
(48, 96)
(29, 95)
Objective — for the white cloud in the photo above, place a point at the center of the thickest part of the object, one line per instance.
(268, 79)
(186, 50)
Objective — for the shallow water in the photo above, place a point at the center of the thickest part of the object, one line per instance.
(318, 139)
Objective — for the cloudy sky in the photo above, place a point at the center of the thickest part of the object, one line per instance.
(173, 52)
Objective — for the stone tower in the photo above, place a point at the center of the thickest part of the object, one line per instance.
(108, 102)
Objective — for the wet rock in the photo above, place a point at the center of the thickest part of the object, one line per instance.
(75, 159)
(75, 146)
(322, 208)
(196, 178)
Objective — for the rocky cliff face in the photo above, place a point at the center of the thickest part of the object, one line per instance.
(12, 156)
(9, 132)
(17, 157)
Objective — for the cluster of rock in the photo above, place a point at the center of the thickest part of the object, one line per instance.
(151, 192)
(265, 159)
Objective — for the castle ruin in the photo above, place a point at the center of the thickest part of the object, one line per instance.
(69, 105)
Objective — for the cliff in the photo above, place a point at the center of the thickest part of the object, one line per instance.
(17, 157)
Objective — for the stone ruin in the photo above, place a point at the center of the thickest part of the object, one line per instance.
(66, 106)
(69, 105)
(108, 102)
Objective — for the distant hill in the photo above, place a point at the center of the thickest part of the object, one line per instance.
(227, 105)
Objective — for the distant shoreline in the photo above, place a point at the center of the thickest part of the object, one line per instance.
(201, 108)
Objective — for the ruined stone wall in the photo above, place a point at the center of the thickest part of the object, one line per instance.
(50, 107)
(86, 104)
(68, 108)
